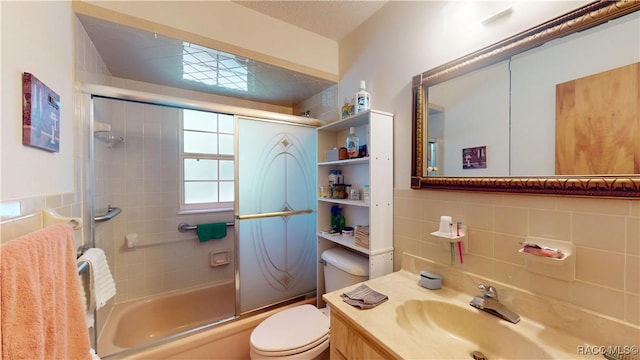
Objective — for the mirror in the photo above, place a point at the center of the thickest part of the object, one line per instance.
(506, 137)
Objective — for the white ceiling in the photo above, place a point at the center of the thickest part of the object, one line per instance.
(144, 56)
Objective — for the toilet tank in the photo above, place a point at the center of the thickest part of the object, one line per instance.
(343, 268)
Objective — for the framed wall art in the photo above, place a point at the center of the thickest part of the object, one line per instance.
(474, 158)
(40, 115)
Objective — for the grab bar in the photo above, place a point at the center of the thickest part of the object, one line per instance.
(273, 214)
(184, 227)
(110, 214)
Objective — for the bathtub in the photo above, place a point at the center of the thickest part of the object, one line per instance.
(226, 341)
(137, 322)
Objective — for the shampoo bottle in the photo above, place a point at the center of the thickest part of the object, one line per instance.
(353, 143)
(363, 98)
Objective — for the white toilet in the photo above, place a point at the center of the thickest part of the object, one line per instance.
(302, 332)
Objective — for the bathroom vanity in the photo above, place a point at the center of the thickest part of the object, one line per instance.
(417, 323)
(349, 341)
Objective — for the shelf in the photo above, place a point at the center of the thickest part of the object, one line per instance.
(375, 130)
(101, 127)
(362, 160)
(353, 120)
(447, 239)
(347, 241)
(345, 202)
(450, 237)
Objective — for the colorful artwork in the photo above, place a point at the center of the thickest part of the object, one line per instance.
(40, 115)
(474, 158)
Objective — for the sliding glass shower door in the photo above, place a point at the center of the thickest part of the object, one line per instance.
(275, 211)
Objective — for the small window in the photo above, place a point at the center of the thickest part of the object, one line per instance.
(207, 165)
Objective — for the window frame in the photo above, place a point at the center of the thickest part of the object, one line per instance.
(183, 207)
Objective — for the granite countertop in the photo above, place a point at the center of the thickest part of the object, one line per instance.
(401, 327)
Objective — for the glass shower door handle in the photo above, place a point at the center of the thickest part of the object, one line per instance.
(273, 214)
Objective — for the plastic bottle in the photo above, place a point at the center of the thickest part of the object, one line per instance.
(337, 219)
(346, 109)
(335, 212)
(353, 143)
(363, 99)
(366, 194)
(333, 177)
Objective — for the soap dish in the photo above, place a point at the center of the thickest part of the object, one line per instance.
(430, 280)
(544, 259)
(564, 246)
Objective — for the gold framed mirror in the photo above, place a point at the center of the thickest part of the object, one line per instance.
(581, 19)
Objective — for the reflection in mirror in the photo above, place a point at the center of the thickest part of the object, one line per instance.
(510, 107)
(474, 111)
(517, 116)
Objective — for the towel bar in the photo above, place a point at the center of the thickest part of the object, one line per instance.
(47, 217)
(273, 214)
(184, 227)
(82, 266)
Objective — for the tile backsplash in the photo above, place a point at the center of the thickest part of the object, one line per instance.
(605, 233)
(22, 216)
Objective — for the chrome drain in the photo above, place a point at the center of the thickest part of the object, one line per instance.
(477, 355)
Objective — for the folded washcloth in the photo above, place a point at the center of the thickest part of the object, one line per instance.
(86, 297)
(364, 297)
(102, 287)
(211, 231)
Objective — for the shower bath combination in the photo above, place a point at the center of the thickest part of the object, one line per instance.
(142, 180)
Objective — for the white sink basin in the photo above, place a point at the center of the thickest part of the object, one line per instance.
(465, 329)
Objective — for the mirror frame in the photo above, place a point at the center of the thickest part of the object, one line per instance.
(590, 15)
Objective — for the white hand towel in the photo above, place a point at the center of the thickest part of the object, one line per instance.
(103, 287)
(88, 307)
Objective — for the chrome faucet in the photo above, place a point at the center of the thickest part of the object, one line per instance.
(489, 302)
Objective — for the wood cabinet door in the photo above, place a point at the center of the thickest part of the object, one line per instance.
(598, 123)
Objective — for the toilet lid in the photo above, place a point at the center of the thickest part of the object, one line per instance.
(291, 329)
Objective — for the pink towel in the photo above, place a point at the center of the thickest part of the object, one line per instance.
(42, 315)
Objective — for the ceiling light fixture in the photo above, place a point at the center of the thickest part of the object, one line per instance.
(493, 17)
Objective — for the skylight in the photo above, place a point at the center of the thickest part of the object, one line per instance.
(212, 67)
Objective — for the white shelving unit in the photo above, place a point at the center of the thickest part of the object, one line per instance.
(374, 129)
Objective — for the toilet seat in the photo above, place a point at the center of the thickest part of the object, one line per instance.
(321, 345)
(292, 331)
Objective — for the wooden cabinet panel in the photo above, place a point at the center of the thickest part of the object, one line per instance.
(598, 123)
(348, 343)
